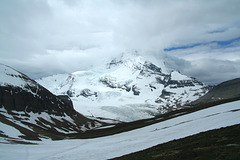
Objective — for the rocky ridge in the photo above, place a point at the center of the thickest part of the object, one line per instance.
(33, 112)
(127, 88)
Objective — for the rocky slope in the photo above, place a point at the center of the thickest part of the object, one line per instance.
(29, 111)
(221, 92)
(126, 88)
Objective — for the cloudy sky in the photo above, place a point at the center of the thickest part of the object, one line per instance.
(200, 38)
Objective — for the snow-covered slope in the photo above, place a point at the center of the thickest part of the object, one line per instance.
(127, 88)
(34, 112)
(11, 77)
(132, 141)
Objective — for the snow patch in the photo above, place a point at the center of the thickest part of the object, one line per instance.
(124, 143)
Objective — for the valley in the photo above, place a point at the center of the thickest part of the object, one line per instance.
(127, 142)
(119, 80)
(34, 121)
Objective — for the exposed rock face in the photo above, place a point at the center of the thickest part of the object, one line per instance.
(17, 99)
(114, 62)
(66, 100)
(148, 69)
(24, 94)
(166, 94)
(87, 92)
(35, 111)
(136, 90)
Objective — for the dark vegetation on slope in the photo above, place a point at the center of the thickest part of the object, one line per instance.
(217, 144)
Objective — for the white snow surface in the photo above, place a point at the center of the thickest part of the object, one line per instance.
(9, 131)
(116, 102)
(12, 77)
(120, 144)
(178, 76)
(33, 118)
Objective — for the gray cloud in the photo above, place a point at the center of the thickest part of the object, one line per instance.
(56, 36)
(210, 63)
(212, 71)
(20, 29)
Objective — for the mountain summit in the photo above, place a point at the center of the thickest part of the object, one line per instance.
(126, 88)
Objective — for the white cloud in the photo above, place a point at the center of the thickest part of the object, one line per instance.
(214, 71)
(75, 34)
(210, 63)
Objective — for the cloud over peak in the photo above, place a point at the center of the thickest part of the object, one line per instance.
(72, 32)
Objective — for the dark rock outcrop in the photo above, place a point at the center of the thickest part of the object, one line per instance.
(66, 100)
(53, 115)
(87, 92)
(136, 90)
(165, 94)
(148, 69)
(114, 62)
(34, 100)
(112, 84)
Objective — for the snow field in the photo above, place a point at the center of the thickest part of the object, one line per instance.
(10, 76)
(120, 144)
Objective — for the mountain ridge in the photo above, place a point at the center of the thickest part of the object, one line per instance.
(226, 90)
(33, 112)
(126, 84)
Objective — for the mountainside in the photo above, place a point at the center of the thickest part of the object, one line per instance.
(29, 111)
(127, 88)
(116, 145)
(220, 143)
(226, 90)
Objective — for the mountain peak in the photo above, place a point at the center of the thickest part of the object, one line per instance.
(134, 61)
(126, 59)
(130, 83)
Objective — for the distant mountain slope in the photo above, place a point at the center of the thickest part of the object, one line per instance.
(127, 88)
(226, 90)
(29, 111)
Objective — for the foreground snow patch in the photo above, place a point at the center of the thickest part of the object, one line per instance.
(127, 142)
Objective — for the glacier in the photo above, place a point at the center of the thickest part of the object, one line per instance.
(127, 88)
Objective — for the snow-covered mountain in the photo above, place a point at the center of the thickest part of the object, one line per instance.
(126, 88)
(29, 111)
